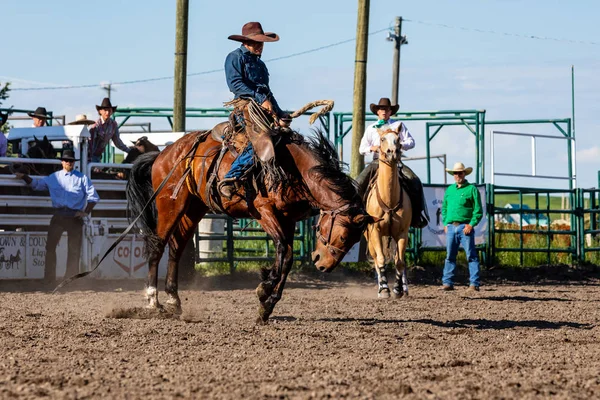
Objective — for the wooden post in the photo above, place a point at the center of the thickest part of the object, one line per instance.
(360, 86)
(181, 33)
(396, 63)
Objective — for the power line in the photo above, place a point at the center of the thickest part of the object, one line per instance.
(130, 82)
(503, 33)
(195, 73)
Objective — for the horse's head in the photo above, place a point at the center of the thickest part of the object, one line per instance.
(41, 149)
(134, 153)
(337, 231)
(144, 145)
(389, 145)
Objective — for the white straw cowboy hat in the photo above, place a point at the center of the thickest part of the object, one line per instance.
(81, 119)
(459, 167)
(253, 31)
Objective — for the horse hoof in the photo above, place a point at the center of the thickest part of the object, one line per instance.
(398, 293)
(385, 294)
(263, 315)
(156, 307)
(174, 309)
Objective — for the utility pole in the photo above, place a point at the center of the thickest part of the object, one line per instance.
(108, 88)
(181, 36)
(360, 86)
(398, 40)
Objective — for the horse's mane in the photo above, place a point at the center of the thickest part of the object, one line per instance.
(330, 168)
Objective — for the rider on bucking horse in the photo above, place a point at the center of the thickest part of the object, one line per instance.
(370, 144)
(248, 78)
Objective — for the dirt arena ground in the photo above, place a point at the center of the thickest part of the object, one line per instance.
(327, 338)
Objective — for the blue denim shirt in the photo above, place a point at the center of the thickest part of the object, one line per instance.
(248, 77)
(71, 190)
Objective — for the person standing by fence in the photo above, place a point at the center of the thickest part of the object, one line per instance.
(105, 130)
(73, 198)
(40, 117)
(3, 140)
(461, 212)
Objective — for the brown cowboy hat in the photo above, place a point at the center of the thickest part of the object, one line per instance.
(106, 104)
(459, 167)
(384, 102)
(68, 155)
(253, 31)
(81, 119)
(39, 112)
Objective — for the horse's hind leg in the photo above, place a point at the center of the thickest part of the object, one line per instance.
(177, 244)
(401, 284)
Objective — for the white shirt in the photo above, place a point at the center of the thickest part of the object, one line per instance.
(371, 137)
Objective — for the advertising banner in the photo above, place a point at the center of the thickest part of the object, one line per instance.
(22, 255)
(433, 234)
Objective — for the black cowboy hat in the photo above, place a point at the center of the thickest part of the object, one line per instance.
(253, 31)
(3, 118)
(384, 102)
(68, 155)
(106, 104)
(39, 112)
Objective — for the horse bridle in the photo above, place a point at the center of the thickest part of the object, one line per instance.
(326, 241)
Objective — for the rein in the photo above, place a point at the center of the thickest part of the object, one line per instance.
(130, 227)
(334, 214)
(384, 206)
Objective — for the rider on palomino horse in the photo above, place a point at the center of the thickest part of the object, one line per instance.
(248, 78)
(370, 144)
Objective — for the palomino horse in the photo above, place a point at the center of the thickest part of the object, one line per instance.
(314, 179)
(389, 202)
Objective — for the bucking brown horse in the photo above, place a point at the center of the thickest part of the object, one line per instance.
(313, 179)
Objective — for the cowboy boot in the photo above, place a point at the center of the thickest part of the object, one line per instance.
(227, 187)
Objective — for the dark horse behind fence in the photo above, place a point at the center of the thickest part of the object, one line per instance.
(314, 179)
(40, 149)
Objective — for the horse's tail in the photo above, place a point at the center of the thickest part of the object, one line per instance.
(139, 191)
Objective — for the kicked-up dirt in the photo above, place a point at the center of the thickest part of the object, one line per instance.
(327, 337)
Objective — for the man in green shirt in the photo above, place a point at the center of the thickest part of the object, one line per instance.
(461, 212)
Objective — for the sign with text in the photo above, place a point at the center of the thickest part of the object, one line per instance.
(126, 260)
(23, 255)
(433, 234)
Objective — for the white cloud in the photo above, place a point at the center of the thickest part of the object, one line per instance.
(589, 155)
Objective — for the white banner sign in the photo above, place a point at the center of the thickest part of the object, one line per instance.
(22, 255)
(433, 234)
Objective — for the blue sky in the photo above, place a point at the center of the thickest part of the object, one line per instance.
(72, 42)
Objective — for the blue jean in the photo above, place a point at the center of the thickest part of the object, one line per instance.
(454, 238)
(241, 163)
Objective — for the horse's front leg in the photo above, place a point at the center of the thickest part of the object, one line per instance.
(401, 284)
(270, 290)
(376, 250)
